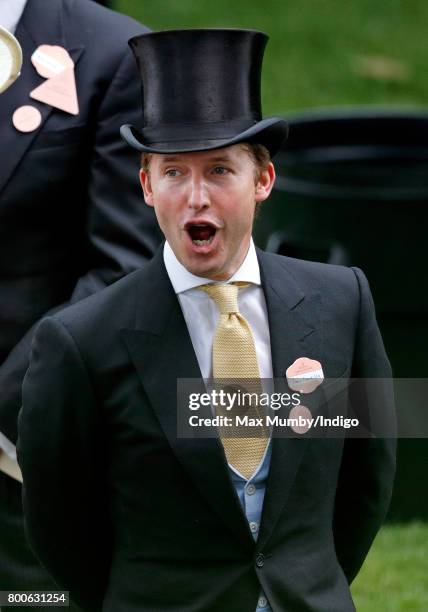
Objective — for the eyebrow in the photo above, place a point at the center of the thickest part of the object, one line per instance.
(167, 160)
(171, 159)
(225, 158)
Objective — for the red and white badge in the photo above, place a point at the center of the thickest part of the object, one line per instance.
(305, 375)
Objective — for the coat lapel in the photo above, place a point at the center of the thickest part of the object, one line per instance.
(295, 331)
(32, 32)
(162, 352)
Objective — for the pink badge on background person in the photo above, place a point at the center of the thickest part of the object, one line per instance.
(51, 60)
(55, 64)
(305, 375)
(26, 118)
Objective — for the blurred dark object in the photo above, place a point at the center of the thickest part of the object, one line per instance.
(105, 3)
(353, 189)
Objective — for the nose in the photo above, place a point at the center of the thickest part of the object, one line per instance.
(198, 194)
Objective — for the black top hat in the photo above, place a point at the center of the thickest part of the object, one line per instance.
(201, 90)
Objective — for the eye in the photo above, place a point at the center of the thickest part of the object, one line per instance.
(172, 172)
(220, 170)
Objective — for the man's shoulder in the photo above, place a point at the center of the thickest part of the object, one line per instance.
(311, 276)
(106, 310)
(99, 25)
(118, 305)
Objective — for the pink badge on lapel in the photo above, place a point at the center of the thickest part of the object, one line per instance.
(301, 418)
(304, 375)
(55, 64)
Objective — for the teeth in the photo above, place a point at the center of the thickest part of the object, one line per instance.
(203, 242)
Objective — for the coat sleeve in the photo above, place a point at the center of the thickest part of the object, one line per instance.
(122, 233)
(368, 464)
(62, 458)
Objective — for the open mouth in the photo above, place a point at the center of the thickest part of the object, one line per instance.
(201, 234)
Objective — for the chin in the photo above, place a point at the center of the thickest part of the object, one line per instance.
(204, 271)
(196, 266)
(201, 271)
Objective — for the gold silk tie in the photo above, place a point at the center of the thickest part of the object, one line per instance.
(234, 357)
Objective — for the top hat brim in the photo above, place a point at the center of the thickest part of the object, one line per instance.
(271, 133)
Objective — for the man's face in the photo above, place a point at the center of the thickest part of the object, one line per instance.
(205, 203)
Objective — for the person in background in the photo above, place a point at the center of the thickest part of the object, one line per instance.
(71, 215)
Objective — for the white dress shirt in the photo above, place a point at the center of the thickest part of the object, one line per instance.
(201, 313)
(10, 13)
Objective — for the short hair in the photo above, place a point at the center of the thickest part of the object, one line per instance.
(260, 156)
(257, 152)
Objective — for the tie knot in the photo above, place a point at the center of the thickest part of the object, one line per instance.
(224, 295)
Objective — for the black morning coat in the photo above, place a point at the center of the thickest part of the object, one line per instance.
(129, 516)
(72, 215)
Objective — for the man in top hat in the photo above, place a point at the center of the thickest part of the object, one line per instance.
(126, 513)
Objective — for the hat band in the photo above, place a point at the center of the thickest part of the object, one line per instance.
(177, 132)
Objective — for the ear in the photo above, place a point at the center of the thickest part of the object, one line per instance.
(265, 183)
(146, 186)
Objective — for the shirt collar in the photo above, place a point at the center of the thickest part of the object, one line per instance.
(183, 280)
(10, 13)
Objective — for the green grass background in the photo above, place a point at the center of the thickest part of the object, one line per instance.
(394, 577)
(332, 53)
(316, 45)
